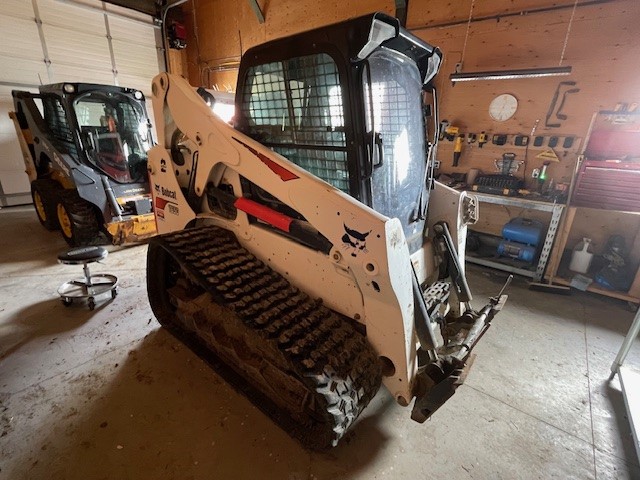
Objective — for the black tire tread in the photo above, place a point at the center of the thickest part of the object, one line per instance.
(49, 191)
(84, 224)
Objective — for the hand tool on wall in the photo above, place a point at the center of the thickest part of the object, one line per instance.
(482, 139)
(543, 175)
(507, 163)
(448, 131)
(457, 148)
(499, 139)
(521, 141)
(442, 129)
(526, 150)
(552, 107)
(559, 114)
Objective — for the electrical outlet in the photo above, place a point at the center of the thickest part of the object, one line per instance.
(436, 164)
(535, 173)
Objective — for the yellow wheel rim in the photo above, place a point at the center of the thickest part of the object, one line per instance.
(65, 221)
(37, 200)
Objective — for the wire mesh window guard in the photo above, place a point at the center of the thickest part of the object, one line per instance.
(56, 120)
(296, 107)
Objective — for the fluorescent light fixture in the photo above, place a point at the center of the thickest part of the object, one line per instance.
(511, 74)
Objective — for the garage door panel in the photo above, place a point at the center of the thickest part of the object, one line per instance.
(68, 47)
(72, 73)
(132, 31)
(134, 59)
(72, 17)
(20, 38)
(18, 9)
(22, 71)
(134, 81)
(127, 12)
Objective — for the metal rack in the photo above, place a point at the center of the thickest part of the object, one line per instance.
(555, 209)
(629, 381)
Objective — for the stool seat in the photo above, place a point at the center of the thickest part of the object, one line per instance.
(91, 286)
(78, 256)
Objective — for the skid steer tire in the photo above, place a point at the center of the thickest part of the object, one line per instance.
(46, 194)
(77, 219)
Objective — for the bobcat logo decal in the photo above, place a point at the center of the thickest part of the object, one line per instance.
(355, 241)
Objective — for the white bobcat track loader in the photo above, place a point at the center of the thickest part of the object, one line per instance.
(308, 249)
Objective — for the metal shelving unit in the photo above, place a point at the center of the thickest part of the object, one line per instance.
(555, 209)
(630, 381)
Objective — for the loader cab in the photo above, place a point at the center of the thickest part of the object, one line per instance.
(103, 126)
(114, 132)
(345, 102)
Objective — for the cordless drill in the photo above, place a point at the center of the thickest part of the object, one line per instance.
(457, 148)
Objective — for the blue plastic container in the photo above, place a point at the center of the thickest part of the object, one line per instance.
(523, 230)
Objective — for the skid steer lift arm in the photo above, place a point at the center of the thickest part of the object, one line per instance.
(372, 284)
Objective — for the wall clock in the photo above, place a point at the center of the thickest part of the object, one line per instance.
(503, 107)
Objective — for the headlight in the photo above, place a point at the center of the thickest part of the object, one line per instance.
(68, 88)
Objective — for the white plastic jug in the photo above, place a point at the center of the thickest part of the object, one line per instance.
(581, 257)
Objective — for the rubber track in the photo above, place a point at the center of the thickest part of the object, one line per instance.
(327, 353)
(85, 228)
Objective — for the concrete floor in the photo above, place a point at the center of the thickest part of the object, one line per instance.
(109, 394)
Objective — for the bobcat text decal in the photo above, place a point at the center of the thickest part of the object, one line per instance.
(162, 204)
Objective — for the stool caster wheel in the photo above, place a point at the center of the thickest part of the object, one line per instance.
(114, 293)
(66, 302)
(92, 304)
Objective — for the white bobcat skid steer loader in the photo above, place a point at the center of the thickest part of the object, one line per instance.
(298, 249)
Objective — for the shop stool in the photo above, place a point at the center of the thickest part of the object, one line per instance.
(91, 286)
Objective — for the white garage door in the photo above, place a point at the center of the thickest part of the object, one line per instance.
(51, 41)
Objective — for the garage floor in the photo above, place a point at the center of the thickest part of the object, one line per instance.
(108, 394)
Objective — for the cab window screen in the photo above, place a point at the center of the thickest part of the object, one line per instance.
(56, 120)
(296, 107)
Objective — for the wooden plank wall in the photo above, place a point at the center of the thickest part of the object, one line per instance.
(226, 29)
(602, 49)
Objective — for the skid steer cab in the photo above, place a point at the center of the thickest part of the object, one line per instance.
(85, 151)
(307, 248)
